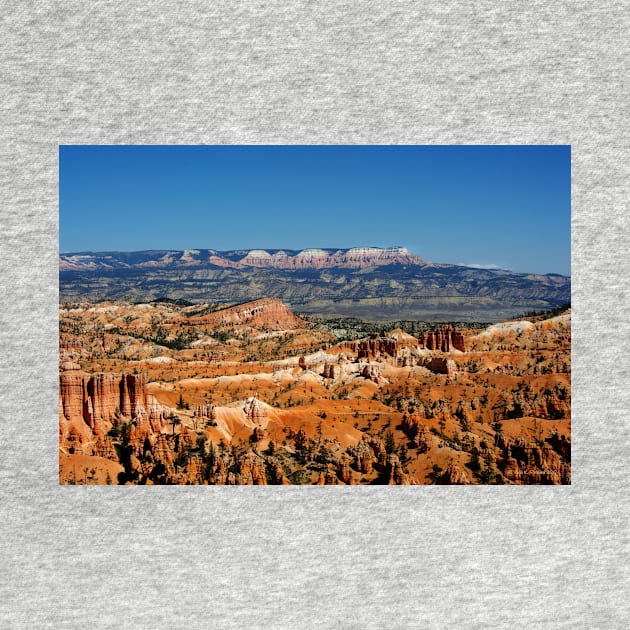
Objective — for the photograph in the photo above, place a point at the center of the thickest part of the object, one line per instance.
(315, 315)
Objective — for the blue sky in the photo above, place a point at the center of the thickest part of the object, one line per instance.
(505, 206)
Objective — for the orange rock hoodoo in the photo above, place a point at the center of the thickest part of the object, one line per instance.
(532, 463)
(372, 348)
(373, 373)
(255, 410)
(443, 338)
(97, 400)
(206, 411)
(454, 475)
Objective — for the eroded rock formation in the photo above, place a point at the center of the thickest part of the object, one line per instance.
(207, 412)
(251, 470)
(533, 463)
(276, 473)
(394, 472)
(419, 434)
(344, 472)
(314, 258)
(365, 454)
(372, 348)
(454, 475)
(373, 373)
(89, 404)
(255, 410)
(267, 313)
(443, 338)
(441, 365)
(71, 391)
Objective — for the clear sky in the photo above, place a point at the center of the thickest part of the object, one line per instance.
(505, 206)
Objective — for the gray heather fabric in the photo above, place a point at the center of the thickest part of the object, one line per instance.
(303, 72)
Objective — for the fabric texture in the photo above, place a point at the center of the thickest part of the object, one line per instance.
(313, 73)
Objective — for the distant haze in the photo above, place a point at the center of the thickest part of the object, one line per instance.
(485, 206)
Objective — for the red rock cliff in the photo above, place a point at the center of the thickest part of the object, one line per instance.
(98, 398)
(71, 391)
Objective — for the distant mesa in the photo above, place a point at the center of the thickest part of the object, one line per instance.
(309, 258)
(257, 257)
(258, 253)
(364, 250)
(317, 258)
(313, 253)
(381, 283)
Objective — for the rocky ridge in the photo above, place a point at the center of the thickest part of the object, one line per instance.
(267, 313)
(366, 282)
(310, 258)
